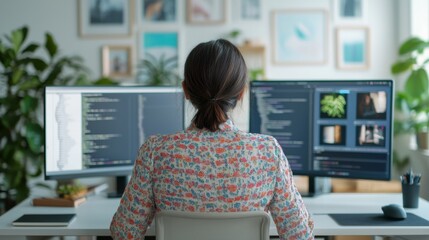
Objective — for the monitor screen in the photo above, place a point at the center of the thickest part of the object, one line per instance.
(97, 131)
(328, 128)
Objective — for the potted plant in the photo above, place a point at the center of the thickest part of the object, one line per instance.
(158, 71)
(413, 101)
(25, 70)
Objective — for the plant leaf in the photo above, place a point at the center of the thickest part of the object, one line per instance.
(417, 83)
(402, 66)
(50, 45)
(31, 83)
(28, 104)
(52, 76)
(31, 48)
(105, 81)
(39, 64)
(18, 36)
(411, 44)
(16, 75)
(34, 136)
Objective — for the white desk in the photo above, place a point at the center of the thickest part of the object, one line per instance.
(94, 216)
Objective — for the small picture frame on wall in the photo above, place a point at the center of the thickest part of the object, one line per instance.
(250, 9)
(206, 11)
(164, 11)
(159, 56)
(116, 61)
(160, 44)
(104, 18)
(350, 11)
(299, 36)
(352, 48)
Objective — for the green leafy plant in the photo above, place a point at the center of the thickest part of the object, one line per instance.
(257, 73)
(71, 191)
(333, 105)
(158, 71)
(25, 70)
(233, 35)
(413, 101)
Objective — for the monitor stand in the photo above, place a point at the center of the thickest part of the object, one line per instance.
(312, 191)
(121, 183)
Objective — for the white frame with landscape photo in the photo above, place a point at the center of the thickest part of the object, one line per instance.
(353, 44)
(208, 11)
(167, 6)
(310, 46)
(123, 65)
(120, 28)
(350, 11)
(250, 9)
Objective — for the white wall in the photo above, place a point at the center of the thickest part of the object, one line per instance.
(60, 18)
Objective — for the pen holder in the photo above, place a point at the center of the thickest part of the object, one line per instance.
(410, 195)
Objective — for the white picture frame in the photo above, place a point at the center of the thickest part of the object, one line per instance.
(206, 11)
(299, 36)
(353, 48)
(104, 18)
(165, 11)
(117, 61)
(350, 11)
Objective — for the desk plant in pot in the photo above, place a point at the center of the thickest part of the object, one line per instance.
(25, 70)
(413, 101)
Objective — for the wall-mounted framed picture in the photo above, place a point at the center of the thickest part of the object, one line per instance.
(299, 36)
(250, 9)
(164, 11)
(158, 59)
(206, 11)
(104, 18)
(350, 11)
(116, 61)
(159, 44)
(353, 44)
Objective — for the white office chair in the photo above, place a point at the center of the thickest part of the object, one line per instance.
(174, 225)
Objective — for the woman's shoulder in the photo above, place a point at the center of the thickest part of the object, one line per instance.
(162, 138)
(259, 137)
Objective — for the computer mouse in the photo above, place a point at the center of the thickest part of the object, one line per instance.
(394, 211)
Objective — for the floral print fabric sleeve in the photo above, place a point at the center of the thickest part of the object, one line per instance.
(137, 209)
(287, 207)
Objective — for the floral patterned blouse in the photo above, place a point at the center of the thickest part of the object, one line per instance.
(224, 171)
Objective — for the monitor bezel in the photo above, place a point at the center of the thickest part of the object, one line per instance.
(313, 174)
(108, 171)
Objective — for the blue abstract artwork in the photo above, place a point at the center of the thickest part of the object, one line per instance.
(160, 44)
(353, 52)
(300, 36)
(352, 47)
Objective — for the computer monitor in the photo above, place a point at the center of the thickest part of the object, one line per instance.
(336, 128)
(97, 130)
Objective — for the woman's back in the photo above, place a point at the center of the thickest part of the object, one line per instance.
(212, 166)
(224, 171)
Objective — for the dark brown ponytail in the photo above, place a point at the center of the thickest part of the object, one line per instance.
(215, 78)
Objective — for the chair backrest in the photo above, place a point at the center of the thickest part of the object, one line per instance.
(254, 225)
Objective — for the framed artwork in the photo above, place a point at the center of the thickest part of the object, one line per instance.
(250, 9)
(159, 11)
(116, 61)
(104, 18)
(350, 11)
(299, 36)
(206, 11)
(160, 44)
(352, 47)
